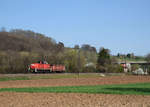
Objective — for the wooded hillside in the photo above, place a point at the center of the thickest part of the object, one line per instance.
(19, 48)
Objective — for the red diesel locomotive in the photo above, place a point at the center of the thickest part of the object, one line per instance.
(43, 66)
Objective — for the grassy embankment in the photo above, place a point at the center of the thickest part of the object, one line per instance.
(14, 78)
(131, 89)
(48, 76)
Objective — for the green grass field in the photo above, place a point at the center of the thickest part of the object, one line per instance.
(131, 89)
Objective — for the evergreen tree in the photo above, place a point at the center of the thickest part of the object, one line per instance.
(103, 57)
(103, 60)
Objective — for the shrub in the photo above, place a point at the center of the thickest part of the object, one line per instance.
(135, 67)
(89, 69)
(114, 68)
(111, 68)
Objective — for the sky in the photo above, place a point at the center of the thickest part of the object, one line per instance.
(123, 26)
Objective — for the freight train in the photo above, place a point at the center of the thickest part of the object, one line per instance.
(43, 66)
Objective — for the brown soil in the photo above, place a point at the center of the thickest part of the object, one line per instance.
(71, 100)
(12, 99)
(75, 81)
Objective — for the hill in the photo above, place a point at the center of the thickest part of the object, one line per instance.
(19, 48)
(20, 40)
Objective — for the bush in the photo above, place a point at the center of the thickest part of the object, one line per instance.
(135, 67)
(111, 68)
(101, 68)
(115, 69)
(89, 69)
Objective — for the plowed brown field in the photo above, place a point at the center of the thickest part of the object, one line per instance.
(75, 81)
(11, 99)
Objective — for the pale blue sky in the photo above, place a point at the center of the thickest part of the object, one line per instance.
(120, 25)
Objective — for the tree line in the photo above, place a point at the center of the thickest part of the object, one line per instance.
(19, 48)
